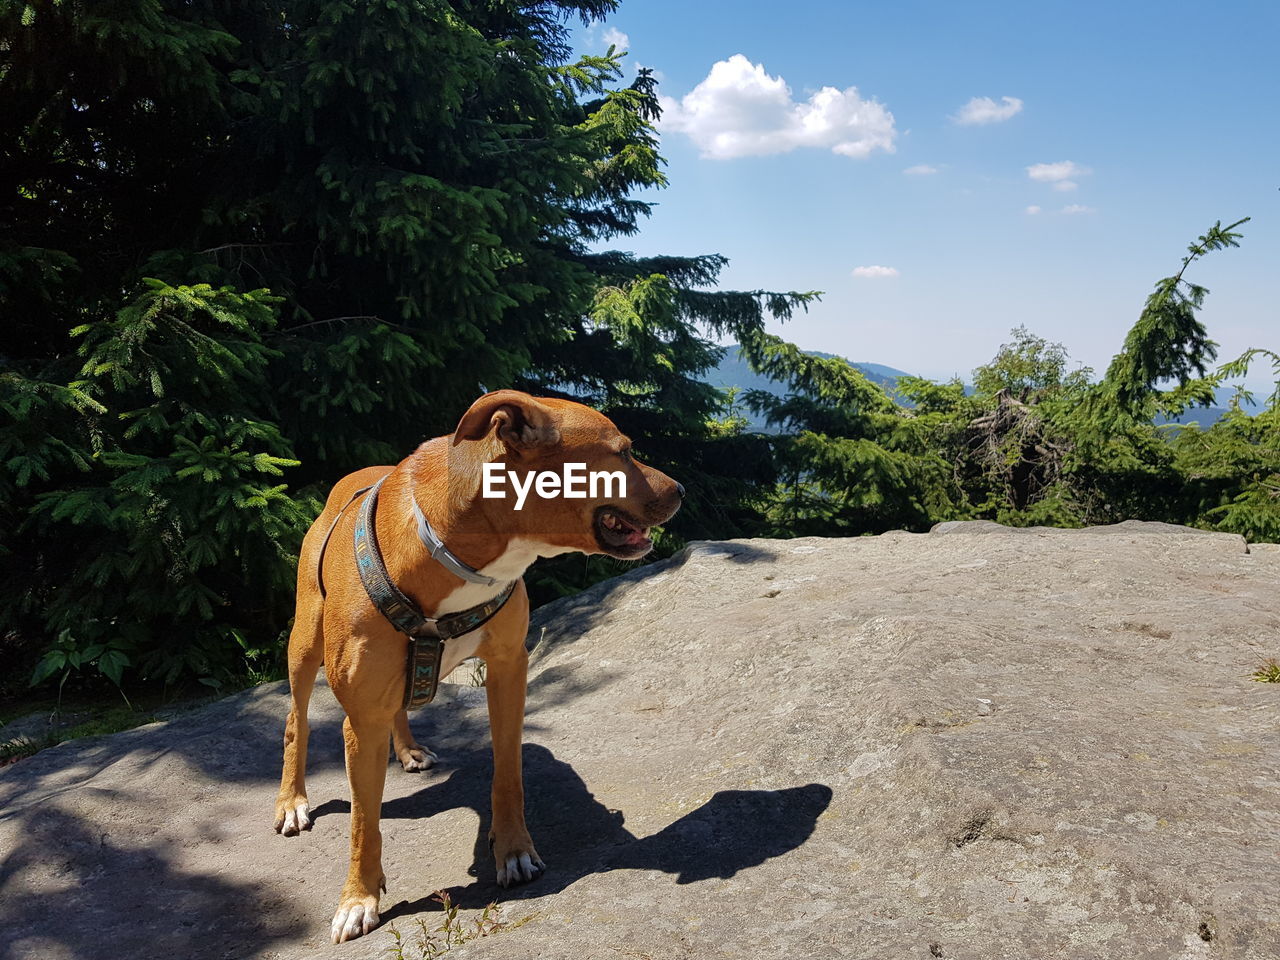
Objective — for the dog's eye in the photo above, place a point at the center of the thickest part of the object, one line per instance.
(625, 455)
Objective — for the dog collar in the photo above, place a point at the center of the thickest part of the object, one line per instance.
(442, 554)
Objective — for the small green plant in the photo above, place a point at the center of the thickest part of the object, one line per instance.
(1268, 672)
(68, 656)
(432, 942)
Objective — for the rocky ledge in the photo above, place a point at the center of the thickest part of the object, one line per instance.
(975, 743)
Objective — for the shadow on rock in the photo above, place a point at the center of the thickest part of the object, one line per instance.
(734, 830)
(736, 551)
(578, 835)
(109, 899)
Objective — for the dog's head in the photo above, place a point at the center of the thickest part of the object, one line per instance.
(562, 473)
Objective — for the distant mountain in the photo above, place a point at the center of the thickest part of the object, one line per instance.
(733, 371)
(1204, 416)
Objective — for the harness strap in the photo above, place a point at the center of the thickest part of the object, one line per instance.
(425, 653)
(427, 635)
(324, 545)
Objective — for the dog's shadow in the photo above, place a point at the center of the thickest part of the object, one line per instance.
(578, 836)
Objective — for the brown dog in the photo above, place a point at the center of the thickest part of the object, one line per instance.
(365, 656)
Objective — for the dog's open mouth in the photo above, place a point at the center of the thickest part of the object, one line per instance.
(620, 535)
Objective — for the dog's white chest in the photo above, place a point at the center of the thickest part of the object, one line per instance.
(458, 649)
(511, 565)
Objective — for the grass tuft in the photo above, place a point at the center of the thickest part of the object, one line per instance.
(432, 942)
(1269, 672)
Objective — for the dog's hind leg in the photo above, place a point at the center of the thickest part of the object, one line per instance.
(306, 652)
(411, 754)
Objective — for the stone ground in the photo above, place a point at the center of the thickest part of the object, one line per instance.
(974, 744)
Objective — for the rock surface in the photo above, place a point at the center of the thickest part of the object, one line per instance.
(975, 743)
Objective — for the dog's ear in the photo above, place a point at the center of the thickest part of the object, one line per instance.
(522, 422)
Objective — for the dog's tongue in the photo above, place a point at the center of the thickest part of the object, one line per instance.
(636, 537)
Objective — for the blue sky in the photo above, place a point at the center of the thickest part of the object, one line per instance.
(1037, 164)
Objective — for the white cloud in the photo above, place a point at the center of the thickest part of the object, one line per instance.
(920, 170)
(1033, 210)
(1057, 173)
(613, 37)
(1074, 208)
(740, 111)
(875, 271)
(984, 110)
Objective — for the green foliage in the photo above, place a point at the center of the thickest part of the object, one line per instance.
(165, 540)
(850, 459)
(255, 247)
(1168, 342)
(1232, 469)
(1035, 442)
(733, 421)
(1030, 369)
(66, 657)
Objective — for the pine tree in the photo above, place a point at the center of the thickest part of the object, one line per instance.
(1168, 342)
(250, 247)
(851, 459)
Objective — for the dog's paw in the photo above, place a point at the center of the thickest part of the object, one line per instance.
(520, 868)
(293, 816)
(516, 860)
(356, 916)
(416, 759)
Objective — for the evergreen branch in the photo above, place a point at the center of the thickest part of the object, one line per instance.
(1168, 341)
(318, 323)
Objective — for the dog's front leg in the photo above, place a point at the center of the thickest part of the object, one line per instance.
(506, 675)
(366, 744)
